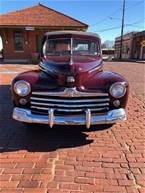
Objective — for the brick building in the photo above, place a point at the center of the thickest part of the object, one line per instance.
(138, 48)
(133, 46)
(126, 46)
(21, 31)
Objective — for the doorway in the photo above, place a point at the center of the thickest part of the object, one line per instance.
(38, 43)
(142, 53)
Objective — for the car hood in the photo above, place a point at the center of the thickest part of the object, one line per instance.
(71, 65)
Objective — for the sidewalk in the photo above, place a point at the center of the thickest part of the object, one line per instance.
(130, 60)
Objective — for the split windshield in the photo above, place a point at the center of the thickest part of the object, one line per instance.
(61, 47)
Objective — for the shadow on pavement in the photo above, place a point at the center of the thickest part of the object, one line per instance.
(16, 136)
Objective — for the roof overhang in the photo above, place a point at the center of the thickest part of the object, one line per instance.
(42, 27)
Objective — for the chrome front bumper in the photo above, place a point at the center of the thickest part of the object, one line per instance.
(112, 116)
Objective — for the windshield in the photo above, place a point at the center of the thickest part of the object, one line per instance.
(69, 46)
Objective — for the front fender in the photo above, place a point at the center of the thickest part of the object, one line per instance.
(38, 80)
(102, 81)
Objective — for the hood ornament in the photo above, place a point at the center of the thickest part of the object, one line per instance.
(70, 79)
(71, 61)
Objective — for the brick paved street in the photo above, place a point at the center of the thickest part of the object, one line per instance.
(71, 159)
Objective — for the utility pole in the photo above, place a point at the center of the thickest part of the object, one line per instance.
(122, 29)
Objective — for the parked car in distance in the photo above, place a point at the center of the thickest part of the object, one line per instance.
(70, 87)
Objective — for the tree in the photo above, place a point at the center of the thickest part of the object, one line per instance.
(104, 46)
(108, 44)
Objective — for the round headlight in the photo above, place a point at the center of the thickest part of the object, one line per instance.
(118, 89)
(22, 88)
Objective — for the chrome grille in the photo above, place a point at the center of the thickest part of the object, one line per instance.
(42, 102)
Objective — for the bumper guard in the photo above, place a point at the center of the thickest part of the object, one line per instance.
(112, 116)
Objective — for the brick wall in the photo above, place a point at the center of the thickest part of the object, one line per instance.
(29, 44)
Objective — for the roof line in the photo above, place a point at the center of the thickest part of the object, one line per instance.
(50, 26)
(63, 14)
(21, 9)
(86, 25)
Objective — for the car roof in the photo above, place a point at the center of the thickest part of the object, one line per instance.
(73, 32)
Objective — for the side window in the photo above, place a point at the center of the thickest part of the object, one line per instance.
(94, 48)
(98, 48)
(18, 41)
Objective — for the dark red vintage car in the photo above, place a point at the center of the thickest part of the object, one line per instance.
(70, 88)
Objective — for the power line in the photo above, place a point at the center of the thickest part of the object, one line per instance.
(117, 27)
(116, 11)
(134, 24)
(105, 18)
(108, 29)
(138, 26)
(113, 18)
(135, 5)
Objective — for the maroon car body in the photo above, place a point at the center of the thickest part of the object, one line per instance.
(70, 87)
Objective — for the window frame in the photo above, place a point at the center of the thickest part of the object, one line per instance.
(21, 41)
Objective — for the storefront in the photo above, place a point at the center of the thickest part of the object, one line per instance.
(126, 46)
(133, 46)
(139, 46)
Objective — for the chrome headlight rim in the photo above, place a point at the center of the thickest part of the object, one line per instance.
(123, 84)
(22, 82)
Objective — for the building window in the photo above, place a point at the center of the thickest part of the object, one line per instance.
(18, 41)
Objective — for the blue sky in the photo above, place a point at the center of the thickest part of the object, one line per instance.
(98, 14)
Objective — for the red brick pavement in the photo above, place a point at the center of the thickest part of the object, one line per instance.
(135, 74)
(71, 159)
